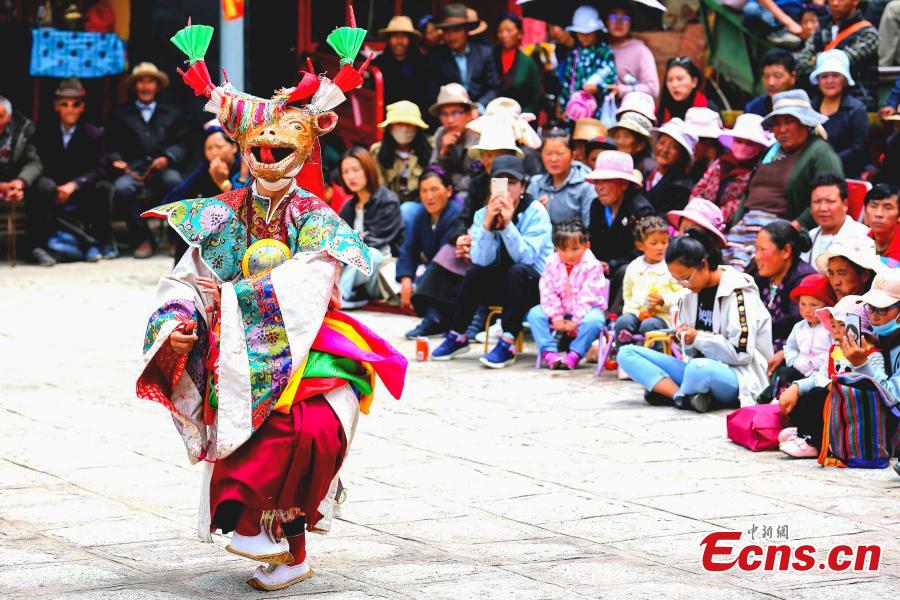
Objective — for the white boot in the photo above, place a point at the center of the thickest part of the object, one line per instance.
(261, 548)
(278, 577)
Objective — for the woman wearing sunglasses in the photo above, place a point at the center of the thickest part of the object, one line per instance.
(635, 65)
(723, 327)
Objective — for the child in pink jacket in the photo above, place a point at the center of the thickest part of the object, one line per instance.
(574, 296)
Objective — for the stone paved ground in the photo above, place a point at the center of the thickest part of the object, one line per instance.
(511, 484)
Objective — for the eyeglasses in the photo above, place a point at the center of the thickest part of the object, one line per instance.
(687, 282)
(451, 114)
(70, 103)
(615, 18)
(874, 311)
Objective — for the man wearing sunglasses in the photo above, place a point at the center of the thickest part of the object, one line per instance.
(72, 152)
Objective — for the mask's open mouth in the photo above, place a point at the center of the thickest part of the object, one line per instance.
(270, 155)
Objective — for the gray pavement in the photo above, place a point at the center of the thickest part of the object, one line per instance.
(478, 484)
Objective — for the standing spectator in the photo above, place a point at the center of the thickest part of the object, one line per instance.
(458, 61)
(519, 75)
(705, 125)
(401, 63)
(403, 153)
(145, 142)
(20, 179)
(846, 30)
(848, 124)
(726, 179)
(635, 65)
(452, 139)
(882, 213)
(632, 136)
(589, 66)
(668, 187)
(71, 150)
(828, 206)
(779, 74)
(374, 213)
(681, 91)
(562, 189)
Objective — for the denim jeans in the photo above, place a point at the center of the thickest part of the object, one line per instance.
(698, 376)
(588, 330)
(351, 278)
(409, 212)
(753, 10)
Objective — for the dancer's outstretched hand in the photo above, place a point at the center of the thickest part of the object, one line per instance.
(184, 337)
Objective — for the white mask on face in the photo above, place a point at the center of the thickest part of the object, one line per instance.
(403, 135)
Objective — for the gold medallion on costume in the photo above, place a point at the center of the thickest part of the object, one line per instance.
(263, 256)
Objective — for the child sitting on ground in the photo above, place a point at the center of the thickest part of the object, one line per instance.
(806, 348)
(574, 296)
(648, 289)
(804, 401)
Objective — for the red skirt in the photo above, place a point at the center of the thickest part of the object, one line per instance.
(287, 466)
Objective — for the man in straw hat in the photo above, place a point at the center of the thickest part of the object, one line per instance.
(459, 61)
(401, 63)
(145, 138)
(453, 139)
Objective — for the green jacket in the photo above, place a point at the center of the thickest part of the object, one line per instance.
(817, 157)
(522, 83)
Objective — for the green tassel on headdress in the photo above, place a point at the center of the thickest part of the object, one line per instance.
(346, 41)
(193, 40)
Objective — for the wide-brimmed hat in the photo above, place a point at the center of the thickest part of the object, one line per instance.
(457, 15)
(858, 249)
(702, 212)
(615, 165)
(508, 165)
(832, 61)
(588, 129)
(636, 123)
(403, 111)
(640, 102)
(482, 24)
(512, 111)
(147, 69)
(497, 133)
(817, 286)
(794, 103)
(452, 93)
(702, 122)
(675, 129)
(70, 88)
(400, 24)
(747, 127)
(848, 305)
(885, 290)
(586, 19)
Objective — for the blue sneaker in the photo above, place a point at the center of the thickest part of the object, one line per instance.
(452, 345)
(92, 254)
(503, 354)
(63, 250)
(109, 252)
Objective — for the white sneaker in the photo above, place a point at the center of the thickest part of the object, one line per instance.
(261, 548)
(494, 333)
(623, 375)
(278, 577)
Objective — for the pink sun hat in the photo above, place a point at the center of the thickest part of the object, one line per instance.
(702, 212)
(613, 164)
(747, 127)
(848, 305)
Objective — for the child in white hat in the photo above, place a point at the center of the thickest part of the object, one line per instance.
(590, 68)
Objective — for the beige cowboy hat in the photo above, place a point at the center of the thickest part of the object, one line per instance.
(452, 93)
(147, 69)
(400, 24)
(588, 129)
(472, 14)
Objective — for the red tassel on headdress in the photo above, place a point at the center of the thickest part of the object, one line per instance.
(310, 175)
(309, 85)
(197, 76)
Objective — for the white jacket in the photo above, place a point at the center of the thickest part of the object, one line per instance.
(742, 332)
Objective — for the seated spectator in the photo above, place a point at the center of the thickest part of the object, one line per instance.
(497, 138)
(846, 30)
(452, 139)
(145, 145)
(723, 326)
(637, 102)
(589, 67)
(850, 264)
(809, 19)
(431, 35)
(511, 241)
(778, 271)
(777, 19)
(726, 179)
(828, 202)
(518, 73)
(402, 65)
(374, 213)
(889, 36)
(668, 187)
(882, 215)
(71, 150)
(458, 61)
(882, 305)
(219, 172)
(573, 294)
(585, 130)
(779, 74)
(631, 133)
(618, 206)
(635, 65)
(705, 125)
(780, 187)
(21, 180)
(599, 144)
(562, 189)
(699, 213)
(848, 124)
(681, 90)
(429, 233)
(890, 163)
(403, 153)
(526, 138)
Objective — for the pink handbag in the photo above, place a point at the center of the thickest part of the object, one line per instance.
(581, 106)
(756, 427)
